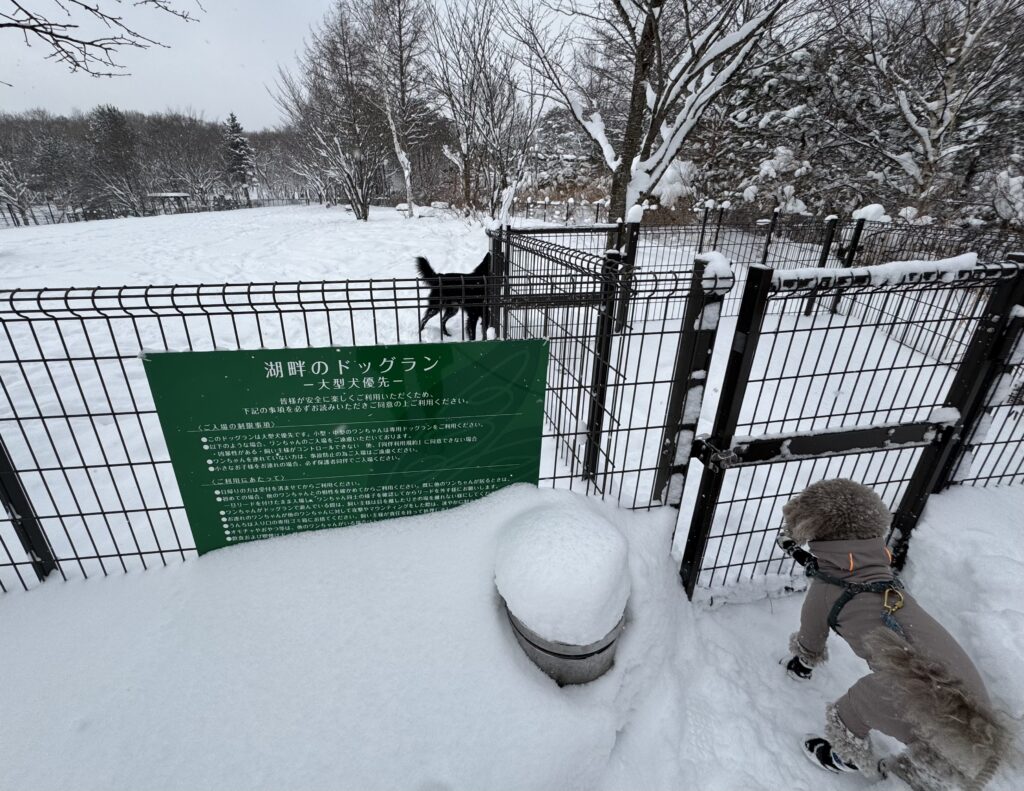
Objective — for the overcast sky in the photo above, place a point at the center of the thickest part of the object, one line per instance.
(224, 62)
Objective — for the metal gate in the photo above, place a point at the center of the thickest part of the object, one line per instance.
(871, 374)
(627, 347)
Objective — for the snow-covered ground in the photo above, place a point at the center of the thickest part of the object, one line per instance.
(248, 245)
(379, 656)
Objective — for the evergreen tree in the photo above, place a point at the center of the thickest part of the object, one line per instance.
(56, 170)
(239, 158)
(115, 169)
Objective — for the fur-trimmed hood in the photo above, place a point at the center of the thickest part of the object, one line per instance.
(835, 510)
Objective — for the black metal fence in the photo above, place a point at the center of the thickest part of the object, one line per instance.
(897, 377)
(48, 213)
(992, 452)
(85, 475)
(616, 391)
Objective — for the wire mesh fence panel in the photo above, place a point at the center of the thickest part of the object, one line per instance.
(606, 402)
(78, 420)
(993, 455)
(77, 416)
(741, 550)
(817, 392)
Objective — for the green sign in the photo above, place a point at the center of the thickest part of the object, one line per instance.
(277, 441)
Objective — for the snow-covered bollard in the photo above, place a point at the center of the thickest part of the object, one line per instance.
(564, 578)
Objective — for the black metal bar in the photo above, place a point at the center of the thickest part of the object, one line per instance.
(631, 232)
(830, 442)
(703, 230)
(693, 360)
(553, 300)
(768, 237)
(978, 371)
(848, 258)
(851, 251)
(560, 230)
(494, 309)
(602, 364)
(734, 385)
(14, 498)
(506, 267)
(826, 248)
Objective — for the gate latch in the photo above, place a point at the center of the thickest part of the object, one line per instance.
(715, 458)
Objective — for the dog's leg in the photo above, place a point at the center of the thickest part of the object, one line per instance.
(448, 313)
(431, 312)
(472, 317)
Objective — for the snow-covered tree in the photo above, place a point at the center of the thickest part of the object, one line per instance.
(1007, 195)
(923, 89)
(56, 171)
(395, 34)
(487, 98)
(665, 61)
(239, 158)
(14, 189)
(461, 37)
(114, 167)
(344, 136)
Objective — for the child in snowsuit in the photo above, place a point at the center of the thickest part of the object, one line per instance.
(923, 689)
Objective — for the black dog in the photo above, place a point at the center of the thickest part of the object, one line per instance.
(449, 292)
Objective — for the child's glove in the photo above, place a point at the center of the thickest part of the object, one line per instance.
(795, 668)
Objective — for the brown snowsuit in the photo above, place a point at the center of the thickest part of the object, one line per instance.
(923, 689)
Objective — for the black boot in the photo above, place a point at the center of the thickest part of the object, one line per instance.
(820, 753)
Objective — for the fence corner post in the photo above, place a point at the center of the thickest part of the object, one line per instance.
(603, 333)
(631, 232)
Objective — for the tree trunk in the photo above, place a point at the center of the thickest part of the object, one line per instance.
(637, 115)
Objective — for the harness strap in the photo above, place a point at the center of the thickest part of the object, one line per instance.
(851, 589)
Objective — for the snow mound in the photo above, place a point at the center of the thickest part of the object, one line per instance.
(717, 273)
(563, 572)
(635, 214)
(873, 212)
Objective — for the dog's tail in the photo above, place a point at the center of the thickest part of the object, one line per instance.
(961, 733)
(424, 268)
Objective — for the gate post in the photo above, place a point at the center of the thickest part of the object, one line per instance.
(496, 283)
(602, 363)
(703, 230)
(23, 516)
(770, 234)
(826, 247)
(851, 253)
(506, 284)
(632, 240)
(985, 358)
(689, 378)
(713, 447)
